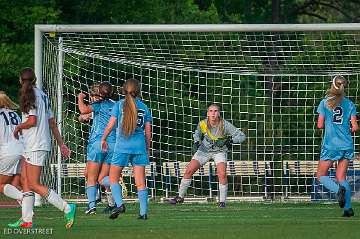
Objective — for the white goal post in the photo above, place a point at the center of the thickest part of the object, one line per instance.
(268, 79)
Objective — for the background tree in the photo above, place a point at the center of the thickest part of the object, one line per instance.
(18, 19)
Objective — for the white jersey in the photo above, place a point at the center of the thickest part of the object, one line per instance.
(8, 144)
(38, 137)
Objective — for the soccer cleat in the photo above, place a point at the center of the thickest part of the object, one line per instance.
(143, 217)
(348, 213)
(176, 200)
(16, 224)
(26, 225)
(221, 205)
(70, 216)
(115, 213)
(90, 211)
(109, 209)
(341, 196)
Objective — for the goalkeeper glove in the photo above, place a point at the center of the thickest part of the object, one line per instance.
(195, 146)
(229, 142)
(222, 142)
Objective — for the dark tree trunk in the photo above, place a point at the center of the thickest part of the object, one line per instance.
(276, 11)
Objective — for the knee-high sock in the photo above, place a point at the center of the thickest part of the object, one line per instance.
(185, 183)
(12, 192)
(91, 194)
(223, 188)
(346, 185)
(110, 198)
(117, 194)
(329, 184)
(57, 201)
(143, 199)
(27, 206)
(98, 192)
(105, 181)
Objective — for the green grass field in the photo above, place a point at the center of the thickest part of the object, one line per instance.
(238, 220)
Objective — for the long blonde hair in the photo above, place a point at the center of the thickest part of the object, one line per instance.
(336, 92)
(220, 130)
(6, 102)
(131, 90)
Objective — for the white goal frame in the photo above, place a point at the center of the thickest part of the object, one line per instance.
(40, 29)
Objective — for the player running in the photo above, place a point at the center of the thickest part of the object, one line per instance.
(37, 120)
(337, 115)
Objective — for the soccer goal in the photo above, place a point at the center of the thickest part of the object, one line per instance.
(269, 79)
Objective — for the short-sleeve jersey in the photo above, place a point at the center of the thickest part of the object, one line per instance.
(135, 143)
(38, 137)
(9, 119)
(101, 116)
(337, 134)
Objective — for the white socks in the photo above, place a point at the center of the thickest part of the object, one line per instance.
(27, 206)
(110, 199)
(57, 201)
(185, 183)
(12, 192)
(223, 188)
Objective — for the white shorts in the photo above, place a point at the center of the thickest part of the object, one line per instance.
(10, 165)
(204, 157)
(36, 158)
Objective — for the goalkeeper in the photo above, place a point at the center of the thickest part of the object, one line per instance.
(212, 140)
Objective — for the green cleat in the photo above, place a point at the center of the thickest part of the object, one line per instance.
(70, 216)
(16, 224)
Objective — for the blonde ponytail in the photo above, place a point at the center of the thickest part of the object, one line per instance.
(131, 90)
(336, 92)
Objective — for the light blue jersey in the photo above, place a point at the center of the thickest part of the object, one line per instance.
(337, 134)
(102, 113)
(135, 143)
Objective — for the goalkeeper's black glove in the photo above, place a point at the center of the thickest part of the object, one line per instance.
(222, 142)
(195, 146)
(229, 142)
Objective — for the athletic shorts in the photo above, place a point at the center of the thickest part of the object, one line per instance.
(336, 154)
(204, 157)
(36, 158)
(123, 159)
(95, 154)
(10, 165)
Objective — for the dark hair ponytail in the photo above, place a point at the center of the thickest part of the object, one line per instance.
(27, 93)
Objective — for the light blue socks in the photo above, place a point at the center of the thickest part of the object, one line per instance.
(143, 199)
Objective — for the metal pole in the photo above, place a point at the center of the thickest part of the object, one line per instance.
(59, 108)
(202, 27)
(38, 56)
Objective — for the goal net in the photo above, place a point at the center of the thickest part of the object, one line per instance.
(268, 80)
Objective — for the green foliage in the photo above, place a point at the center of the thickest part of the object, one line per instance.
(17, 19)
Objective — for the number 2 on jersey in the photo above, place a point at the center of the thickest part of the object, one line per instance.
(338, 115)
